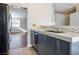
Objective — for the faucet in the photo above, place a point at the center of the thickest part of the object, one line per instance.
(56, 28)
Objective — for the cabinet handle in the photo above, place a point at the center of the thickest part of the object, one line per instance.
(58, 47)
(36, 33)
(36, 41)
(36, 38)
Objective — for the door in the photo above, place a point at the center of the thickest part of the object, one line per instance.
(63, 47)
(34, 40)
(51, 46)
(41, 44)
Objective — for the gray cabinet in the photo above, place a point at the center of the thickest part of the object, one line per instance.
(41, 44)
(46, 45)
(34, 40)
(55, 46)
(63, 47)
(51, 45)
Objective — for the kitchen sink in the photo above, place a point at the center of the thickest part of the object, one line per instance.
(54, 31)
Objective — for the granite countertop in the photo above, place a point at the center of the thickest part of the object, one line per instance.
(67, 36)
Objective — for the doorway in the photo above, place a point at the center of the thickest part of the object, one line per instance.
(17, 27)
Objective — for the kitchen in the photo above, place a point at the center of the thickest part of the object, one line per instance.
(52, 30)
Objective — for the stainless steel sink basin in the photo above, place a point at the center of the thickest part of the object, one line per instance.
(54, 31)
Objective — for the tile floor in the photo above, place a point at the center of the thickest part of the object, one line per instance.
(18, 40)
(22, 51)
(18, 45)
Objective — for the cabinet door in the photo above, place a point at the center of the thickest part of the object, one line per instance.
(41, 44)
(63, 47)
(32, 38)
(51, 45)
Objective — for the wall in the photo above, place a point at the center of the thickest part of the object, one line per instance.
(42, 14)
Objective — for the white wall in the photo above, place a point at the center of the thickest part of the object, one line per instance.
(41, 14)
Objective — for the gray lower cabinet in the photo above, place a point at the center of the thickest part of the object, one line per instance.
(41, 44)
(63, 47)
(34, 40)
(51, 45)
(47, 45)
(57, 46)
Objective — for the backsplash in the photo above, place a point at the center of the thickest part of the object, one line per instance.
(65, 28)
